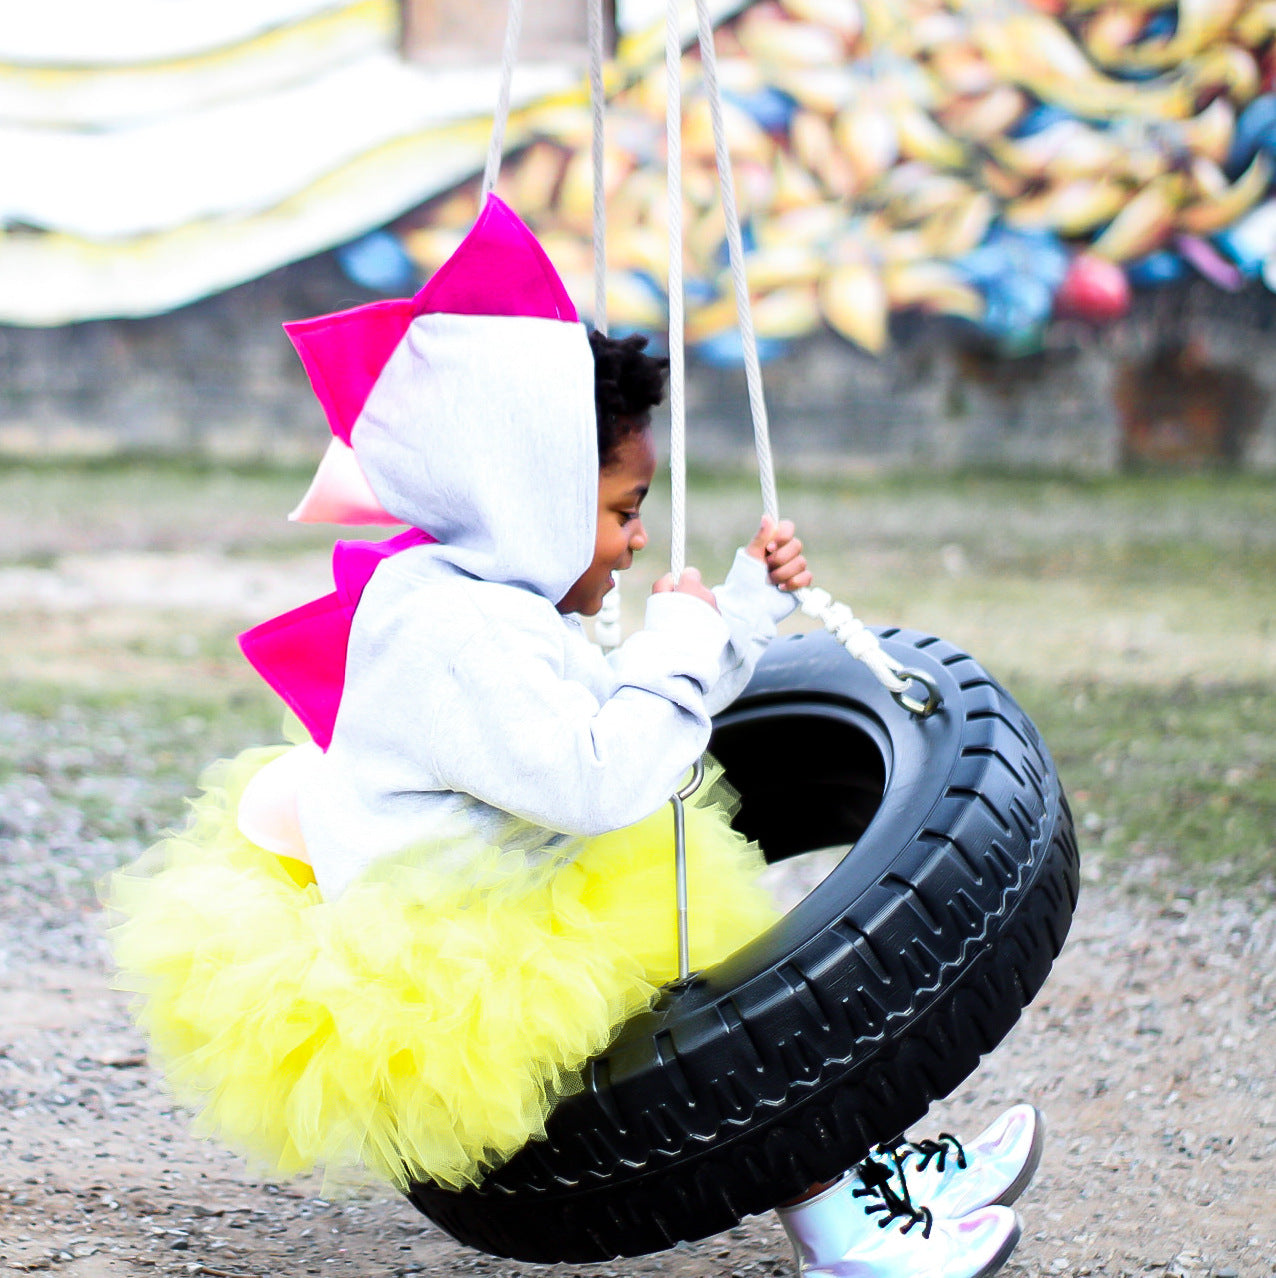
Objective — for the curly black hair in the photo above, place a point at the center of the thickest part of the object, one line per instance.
(628, 384)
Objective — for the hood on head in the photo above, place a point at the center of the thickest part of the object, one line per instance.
(468, 411)
(481, 431)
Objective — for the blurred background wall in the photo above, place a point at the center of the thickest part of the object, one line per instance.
(1035, 235)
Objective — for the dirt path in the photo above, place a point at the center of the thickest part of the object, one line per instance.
(1151, 1050)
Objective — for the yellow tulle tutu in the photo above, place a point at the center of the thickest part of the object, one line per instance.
(423, 1024)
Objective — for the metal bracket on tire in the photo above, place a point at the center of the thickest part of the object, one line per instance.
(922, 709)
(783, 1065)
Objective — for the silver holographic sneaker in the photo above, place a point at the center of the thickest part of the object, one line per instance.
(861, 1228)
(953, 1178)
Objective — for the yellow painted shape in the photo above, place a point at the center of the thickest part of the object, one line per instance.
(853, 300)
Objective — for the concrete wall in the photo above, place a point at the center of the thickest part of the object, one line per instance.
(459, 32)
(218, 378)
(1188, 380)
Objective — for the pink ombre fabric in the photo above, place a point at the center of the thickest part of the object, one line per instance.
(498, 269)
(340, 493)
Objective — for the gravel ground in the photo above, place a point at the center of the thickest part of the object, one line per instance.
(1150, 1050)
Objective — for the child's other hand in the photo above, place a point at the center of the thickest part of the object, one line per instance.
(689, 583)
(780, 549)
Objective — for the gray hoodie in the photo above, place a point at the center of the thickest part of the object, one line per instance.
(468, 698)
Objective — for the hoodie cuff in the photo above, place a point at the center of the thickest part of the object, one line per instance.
(748, 590)
(689, 626)
(696, 620)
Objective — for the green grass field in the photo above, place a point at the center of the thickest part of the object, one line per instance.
(1134, 619)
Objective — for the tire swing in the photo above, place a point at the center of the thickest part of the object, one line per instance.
(876, 994)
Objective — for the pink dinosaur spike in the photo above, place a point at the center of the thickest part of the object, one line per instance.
(302, 654)
(344, 354)
(498, 269)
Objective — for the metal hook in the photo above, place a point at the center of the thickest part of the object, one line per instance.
(922, 709)
(680, 865)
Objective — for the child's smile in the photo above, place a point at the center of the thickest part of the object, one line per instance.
(622, 485)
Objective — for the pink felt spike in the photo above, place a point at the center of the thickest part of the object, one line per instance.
(354, 562)
(340, 493)
(302, 654)
(344, 354)
(498, 269)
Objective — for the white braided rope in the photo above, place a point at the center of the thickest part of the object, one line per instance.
(860, 642)
(853, 635)
(598, 105)
(677, 369)
(509, 55)
(836, 617)
(739, 279)
(607, 629)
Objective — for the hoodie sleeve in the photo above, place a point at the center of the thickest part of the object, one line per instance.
(752, 609)
(498, 720)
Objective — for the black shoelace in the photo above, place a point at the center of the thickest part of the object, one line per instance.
(925, 1150)
(890, 1205)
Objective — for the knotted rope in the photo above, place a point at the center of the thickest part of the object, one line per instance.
(836, 617)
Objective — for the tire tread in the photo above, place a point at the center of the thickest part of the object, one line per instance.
(860, 1055)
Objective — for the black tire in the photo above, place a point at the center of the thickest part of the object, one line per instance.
(834, 1030)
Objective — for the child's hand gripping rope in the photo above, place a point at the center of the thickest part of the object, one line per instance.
(775, 544)
(779, 547)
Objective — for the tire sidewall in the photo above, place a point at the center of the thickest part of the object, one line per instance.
(784, 1064)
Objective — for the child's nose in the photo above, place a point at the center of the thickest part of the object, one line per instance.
(638, 538)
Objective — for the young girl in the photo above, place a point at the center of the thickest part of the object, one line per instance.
(469, 887)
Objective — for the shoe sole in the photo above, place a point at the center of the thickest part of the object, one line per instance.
(1003, 1252)
(1029, 1169)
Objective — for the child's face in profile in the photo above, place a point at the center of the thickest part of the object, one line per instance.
(622, 485)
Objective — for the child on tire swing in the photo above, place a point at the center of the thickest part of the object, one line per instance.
(397, 943)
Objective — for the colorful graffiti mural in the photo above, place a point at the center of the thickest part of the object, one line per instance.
(997, 162)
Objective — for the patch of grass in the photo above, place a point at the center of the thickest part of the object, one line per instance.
(152, 461)
(124, 760)
(1133, 616)
(153, 730)
(88, 780)
(1172, 784)
(119, 504)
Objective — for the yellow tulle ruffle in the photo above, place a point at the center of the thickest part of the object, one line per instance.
(423, 1024)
